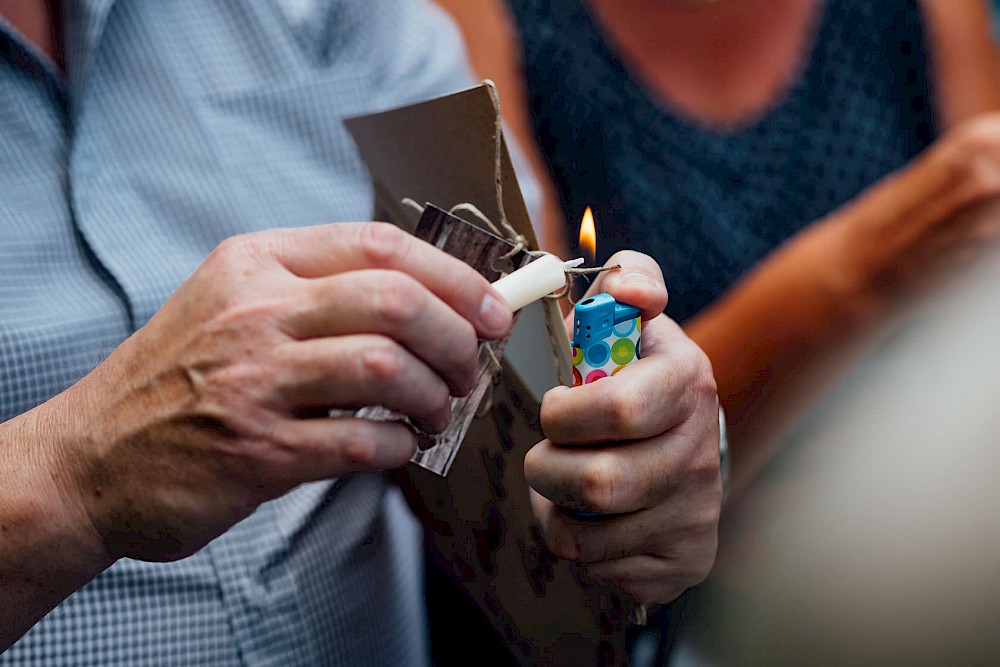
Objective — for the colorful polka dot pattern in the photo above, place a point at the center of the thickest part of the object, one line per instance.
(608, 356)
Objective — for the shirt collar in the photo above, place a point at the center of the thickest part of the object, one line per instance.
(83, 26)
(16, 48)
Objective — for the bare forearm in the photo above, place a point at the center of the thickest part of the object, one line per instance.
(772, 324)
(825, 289)
(48, 547)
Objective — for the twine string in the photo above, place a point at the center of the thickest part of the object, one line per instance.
(406, 201)
(504, 264)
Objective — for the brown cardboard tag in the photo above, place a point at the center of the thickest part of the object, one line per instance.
(444, 151)
(482, 251)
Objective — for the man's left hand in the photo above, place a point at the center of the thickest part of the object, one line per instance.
(642, 449)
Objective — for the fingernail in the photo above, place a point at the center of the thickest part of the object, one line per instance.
(637, 278)
(494, 314)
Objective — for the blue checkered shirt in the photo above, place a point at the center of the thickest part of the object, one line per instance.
(176, 125)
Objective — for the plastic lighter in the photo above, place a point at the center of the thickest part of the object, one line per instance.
(606, 338)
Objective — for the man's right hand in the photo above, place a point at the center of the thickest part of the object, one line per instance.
(219, 403)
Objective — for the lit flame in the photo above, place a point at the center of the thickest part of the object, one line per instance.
(588, 235)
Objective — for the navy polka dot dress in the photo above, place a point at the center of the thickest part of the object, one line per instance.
(709, 203)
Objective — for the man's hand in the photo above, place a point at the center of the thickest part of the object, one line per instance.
(641, 448)
(220, 402)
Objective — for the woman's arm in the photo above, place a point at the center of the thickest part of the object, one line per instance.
(834, 281)
(831, 283)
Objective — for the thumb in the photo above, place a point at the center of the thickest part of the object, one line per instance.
(639, 282)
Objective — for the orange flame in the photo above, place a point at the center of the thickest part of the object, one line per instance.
(588, 235)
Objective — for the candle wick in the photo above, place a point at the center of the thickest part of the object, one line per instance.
(571, 269)
(592, 269)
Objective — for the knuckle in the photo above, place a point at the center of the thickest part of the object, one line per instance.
(600, 483)
(223, 386)
(360, 451)
(698, 367)
(438, 397)
(396, 298)
(382, 244)
(708, 516)
(382, 362)
(705, 374)
(622, 409)
(702, 482)
(359, 447)
(284, 378)
(690, 574)
(552, 415)
(705, 559)
(282, 446)
(701, 527)
(704, 472)
(700, 385)
(234, 244)
(224, 255)
(237, 250)
(690, 561)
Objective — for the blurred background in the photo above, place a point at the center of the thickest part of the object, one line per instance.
(873, 536)
(864, 523)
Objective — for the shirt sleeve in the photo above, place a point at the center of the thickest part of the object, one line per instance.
(415, 51)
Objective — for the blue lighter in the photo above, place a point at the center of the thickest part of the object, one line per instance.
(606, 338)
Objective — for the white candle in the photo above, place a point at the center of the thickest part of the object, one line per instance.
(530, 283)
